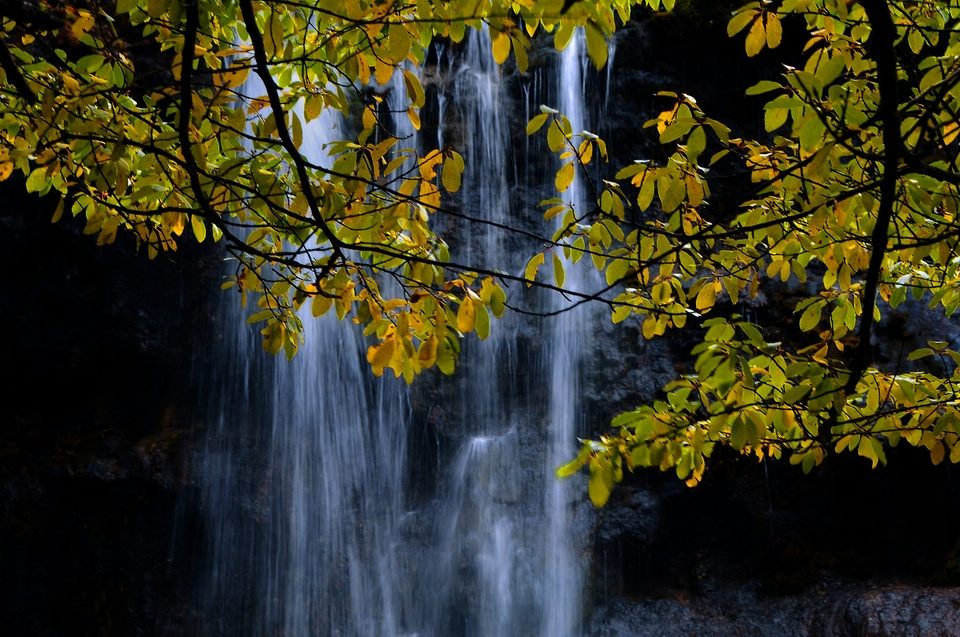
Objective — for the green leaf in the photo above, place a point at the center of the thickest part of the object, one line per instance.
(671, 190)
(774, 118)
(696, 143)
(763, 86)
(37, 180)
(570, 468)
(645, 196)
(498, 301)
(740, 433)
(482, 325)
(399, 41)
(446, 359)
(920, 353)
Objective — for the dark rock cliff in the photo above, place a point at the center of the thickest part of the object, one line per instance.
(97, 406)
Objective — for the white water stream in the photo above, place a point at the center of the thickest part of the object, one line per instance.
(334, 503)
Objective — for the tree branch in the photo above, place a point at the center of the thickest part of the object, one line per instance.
(14, 76)
(882, 42)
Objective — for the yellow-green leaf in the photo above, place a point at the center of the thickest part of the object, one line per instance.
(482, 325)
(596, 45)
(810, 317)
(199, 229)
(558, 274)
(707, 296)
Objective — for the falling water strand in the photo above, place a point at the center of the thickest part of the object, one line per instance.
(563, 575)
(302, 478)
(480, 522)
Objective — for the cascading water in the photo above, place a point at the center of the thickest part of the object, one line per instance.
(315, 522)
(303, 474)
(562, 611)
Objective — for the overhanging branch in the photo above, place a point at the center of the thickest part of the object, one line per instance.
(882, 42)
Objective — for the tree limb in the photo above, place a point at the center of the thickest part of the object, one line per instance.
(882, 42)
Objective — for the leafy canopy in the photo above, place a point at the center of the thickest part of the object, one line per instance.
(853, 202)
(852, 199)
(178, 141)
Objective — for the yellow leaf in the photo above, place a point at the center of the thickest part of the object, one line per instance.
(429, 195)
(563, 35)
(312, 107)
(565, 176)
(774, 30)
(6, 169)
(70, 85)
(450, 176)
(379, 356)
(466, 315)
(707, 296)
(82, 24)
(756, 38)
(233, 78)
(58, 213)
(174, 222)
(427, 354)
(428, 166)
(369, 117)
(414, 118)
(501, 47)
(382, 72)
(936, 452)
(363, 69)
(649, 327)
(950, 132)
(530, 272)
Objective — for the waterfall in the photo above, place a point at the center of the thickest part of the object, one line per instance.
(302, 480)
(562, 612)
(334, 503)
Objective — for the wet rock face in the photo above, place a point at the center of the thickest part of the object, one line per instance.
(96, 395)
(839, 609)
